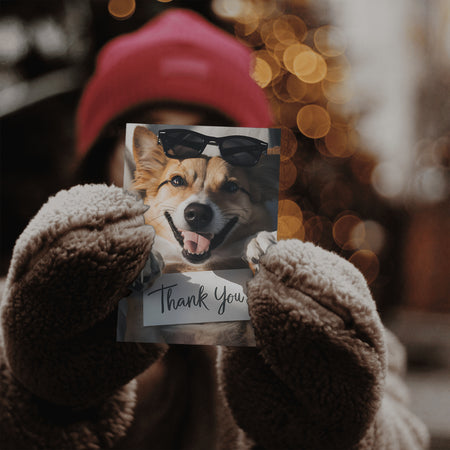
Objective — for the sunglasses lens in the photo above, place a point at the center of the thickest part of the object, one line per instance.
(182, 144)
(241, 151)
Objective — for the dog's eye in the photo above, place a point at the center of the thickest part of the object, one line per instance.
(177, 181)
(230, 186)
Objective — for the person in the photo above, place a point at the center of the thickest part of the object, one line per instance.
(325, 373)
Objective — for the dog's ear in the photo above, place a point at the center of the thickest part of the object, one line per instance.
(148, 155)
(146, 150)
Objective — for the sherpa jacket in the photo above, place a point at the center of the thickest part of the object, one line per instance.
(325, 373)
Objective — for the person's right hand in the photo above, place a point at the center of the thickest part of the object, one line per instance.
(70, 267)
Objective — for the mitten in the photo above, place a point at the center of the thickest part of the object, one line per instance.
(70, 267)
(315, 380)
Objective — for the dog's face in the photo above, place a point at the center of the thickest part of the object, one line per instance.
(200, 205)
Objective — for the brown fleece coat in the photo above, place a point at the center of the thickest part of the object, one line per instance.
(325, 373)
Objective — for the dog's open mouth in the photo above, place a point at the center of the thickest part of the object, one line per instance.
(197, 246)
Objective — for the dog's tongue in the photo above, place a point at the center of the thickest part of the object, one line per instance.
(195, 243)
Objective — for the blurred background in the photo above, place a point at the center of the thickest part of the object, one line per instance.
(362, 89)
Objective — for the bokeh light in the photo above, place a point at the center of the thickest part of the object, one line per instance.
(121, 9)
(337, 142)
(262, 73)
(343, 189)
(375, 236)
(310, 67)
(348, 232)
(288, 174)
(313, 121)
(14, 44)
(388, 180)
(288, 144)
(290, 220)
(289, 208)
(289, 29)
(225, 8)
(291, 53)
(290, 227)
(330, 41)
(430, 184)
(368, 264)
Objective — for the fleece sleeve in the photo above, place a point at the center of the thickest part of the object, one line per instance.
(317, 378)
(69, 269)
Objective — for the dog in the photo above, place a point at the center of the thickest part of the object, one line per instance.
(204, 210)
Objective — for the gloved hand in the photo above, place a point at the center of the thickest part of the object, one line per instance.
(315, 379)
(70, 267)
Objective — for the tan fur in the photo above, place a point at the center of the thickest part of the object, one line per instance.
(204, 179)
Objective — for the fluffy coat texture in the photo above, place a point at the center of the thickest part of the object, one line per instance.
(325, 373)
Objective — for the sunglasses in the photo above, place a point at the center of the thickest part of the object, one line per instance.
(236, 150)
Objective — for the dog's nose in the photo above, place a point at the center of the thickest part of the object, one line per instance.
(198, 215)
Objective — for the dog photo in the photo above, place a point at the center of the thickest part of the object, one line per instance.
(212, 198)
(208, 189)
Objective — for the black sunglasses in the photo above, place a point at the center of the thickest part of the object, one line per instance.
(236, 150)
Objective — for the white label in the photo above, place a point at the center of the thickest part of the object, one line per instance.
(197, 297)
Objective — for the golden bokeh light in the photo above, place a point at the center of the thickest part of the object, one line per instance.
(280, 89)
(304, 63)
(337, 142)
(121, 9)
(271, 60)
(288, 144)
(290, 227)
(291, 52)
(310, 67)
(288, 207)
(330, 41)
(278, 52)
(263, 10)
(289, 29)
(288, 174)
(348, 233)
(313, 121)
(284, 32)
(262, 73)
(367, 263)
(267, 34)
(246, 28)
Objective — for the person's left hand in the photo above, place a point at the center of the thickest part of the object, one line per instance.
(314, 380)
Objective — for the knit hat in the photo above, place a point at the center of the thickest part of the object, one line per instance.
(178, 56)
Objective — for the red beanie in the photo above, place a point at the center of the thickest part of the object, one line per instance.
(178, 56)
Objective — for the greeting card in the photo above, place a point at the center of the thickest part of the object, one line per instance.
(209, 192)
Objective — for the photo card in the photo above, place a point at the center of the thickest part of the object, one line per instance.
(209, 192)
